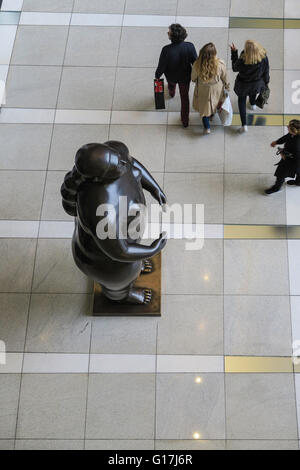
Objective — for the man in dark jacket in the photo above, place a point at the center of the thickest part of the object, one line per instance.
(175, 62)
(289, 165)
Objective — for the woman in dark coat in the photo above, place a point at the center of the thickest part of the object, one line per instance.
(253, 76)
(289, 166)
(175, 62)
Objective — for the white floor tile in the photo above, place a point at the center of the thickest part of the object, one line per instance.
(138, 117)
(27, 116)
(121, 363)
(55, 363)
(45, 19)
(12, 5)
(3, 72)
(293, 205)
(18, 229)
(295, 312)
(13, 364)
(82, 19)
(294, 266)
(78, 116)
(7, 38)
(148, 20)
(174, 119)
(203, 21)
(56, 229)
(292, 9)
(291, 49)
(189, 364)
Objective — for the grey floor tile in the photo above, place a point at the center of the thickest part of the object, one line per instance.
(253, 154)
(191, 325)
(203, 8)
(190, 445)
(52, 204)
(80, 52)
(188, 150)
(52, 406)
(273, 43)
(199, 37)
(291, 49)
(135, 41)
(257, 9)
(260, 406)
(49, 444)
(262, 445)
(255, 267)
(152, 156)
(51, 42)
(257, 326)
(275, 102)
(16, 141)
(32, 87)
(9, 396)
(143, 7)
(203, 411)
(59, 323)
(99, 6)
(55, 6)
(13, 320)
(21, 194)
(105, 444)
(86, 88)
(120, 406)
(197, 188)
(68, 138)
(55, 269)
(193, 272)
(17, 259)
(134, 89)
(124, 336)
(7, 444)
(292, 9)
(246, 203)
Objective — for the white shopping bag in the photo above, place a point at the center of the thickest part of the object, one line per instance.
(226, 112)
(2, 93)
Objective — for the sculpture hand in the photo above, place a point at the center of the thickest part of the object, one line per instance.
(160, 243)
(160, 196)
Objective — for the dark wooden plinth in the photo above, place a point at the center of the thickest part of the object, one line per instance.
(103, 307)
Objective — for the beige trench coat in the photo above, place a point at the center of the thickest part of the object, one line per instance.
(207, 95)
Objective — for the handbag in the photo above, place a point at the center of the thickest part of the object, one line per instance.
(225, 112)
(263, 97)
(159, 93)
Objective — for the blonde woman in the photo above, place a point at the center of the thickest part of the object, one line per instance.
(253, 76)
(209, 74)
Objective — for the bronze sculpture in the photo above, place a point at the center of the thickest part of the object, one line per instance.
(102, 174)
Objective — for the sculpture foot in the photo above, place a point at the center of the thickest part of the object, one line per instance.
(139, 296)
(147, 267)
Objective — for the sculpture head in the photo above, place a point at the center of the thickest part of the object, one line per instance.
(120, 148)
(99, 162)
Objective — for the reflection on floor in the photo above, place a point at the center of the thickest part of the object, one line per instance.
(215, 371)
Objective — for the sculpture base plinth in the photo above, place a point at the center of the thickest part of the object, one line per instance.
(103, 307)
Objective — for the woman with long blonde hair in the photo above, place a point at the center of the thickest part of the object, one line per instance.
(210, 77)
(253, 76)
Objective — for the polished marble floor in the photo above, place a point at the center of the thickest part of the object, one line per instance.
(215, 371)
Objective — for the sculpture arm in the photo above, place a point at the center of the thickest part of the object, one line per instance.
(149, 183)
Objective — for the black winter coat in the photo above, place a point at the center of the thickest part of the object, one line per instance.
(252, 78)
(290, 166)
(176, 60)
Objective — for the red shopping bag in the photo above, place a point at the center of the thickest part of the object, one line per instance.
(159, 94)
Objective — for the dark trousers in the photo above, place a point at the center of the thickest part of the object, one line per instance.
(242, 107)
(185, 101)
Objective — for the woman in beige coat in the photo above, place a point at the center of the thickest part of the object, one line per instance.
(210, 77)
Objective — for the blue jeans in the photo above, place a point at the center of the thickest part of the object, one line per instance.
(206, 122)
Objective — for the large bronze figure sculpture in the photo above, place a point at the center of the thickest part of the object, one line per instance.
(102, 174)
